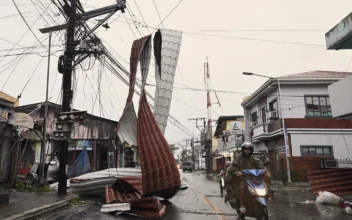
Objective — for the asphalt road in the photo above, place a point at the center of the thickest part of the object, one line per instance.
(202, 201)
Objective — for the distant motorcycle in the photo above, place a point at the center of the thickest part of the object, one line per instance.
(256, 195)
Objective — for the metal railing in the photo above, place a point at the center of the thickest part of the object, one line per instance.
(336, 163)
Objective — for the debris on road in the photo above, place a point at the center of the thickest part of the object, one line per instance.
(116, 207)
(328, 198)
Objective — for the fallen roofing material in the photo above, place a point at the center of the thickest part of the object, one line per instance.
(116, 207)
(335, 180)
(167, 45)
(159, 170)
(148, 208)
(113, 196)
(93, 184)
(126, 129)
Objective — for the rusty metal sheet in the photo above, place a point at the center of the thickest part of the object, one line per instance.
(167, 45)
(337, 181)
(113, 196)
(126, 129)
(159, 170)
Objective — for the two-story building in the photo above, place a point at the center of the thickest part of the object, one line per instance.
(228, 133)
(305, 105)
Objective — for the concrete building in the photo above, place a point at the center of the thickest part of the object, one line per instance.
(229, 131)
(313, 133)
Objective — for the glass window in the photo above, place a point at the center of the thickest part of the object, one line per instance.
(316, 150)
(255, 118)
(273, 106)
(318, 106)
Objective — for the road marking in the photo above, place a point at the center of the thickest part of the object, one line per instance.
(215, 210)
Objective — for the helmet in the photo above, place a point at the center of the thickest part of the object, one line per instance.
(247, 146)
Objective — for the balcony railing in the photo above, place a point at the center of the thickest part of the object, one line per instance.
(266, 128)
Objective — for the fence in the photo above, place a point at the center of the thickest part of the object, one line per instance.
(334, 163)
(299, 166)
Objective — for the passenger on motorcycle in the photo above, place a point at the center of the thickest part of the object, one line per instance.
(233, 180)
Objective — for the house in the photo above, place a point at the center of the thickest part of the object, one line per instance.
(313, 134)
(96, 134)
(229, 131)
(6, 136)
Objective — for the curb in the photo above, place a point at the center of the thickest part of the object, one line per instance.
(40, 211)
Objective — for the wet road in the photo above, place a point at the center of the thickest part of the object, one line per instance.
(202, 201)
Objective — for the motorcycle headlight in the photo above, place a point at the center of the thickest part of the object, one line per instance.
(261, 192)
(52, 162)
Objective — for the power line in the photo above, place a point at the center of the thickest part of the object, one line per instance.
(254, 39)
(168, 15)
(260, 30)
(158, 13)
(29, 27)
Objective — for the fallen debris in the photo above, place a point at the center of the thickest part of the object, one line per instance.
(117, 207)
(328, 198)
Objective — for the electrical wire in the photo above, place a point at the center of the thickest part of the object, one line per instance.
(254, 39)
(29, 27)
(167, 15)
(157, 10)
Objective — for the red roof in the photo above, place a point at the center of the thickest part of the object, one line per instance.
(318, 74)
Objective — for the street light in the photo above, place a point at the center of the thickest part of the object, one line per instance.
(283, 121)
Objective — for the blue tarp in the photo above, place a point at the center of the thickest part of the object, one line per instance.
(81, 165)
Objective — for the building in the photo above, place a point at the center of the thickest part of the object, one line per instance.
(6, 136)
(313, 134)
(229, 136)
(338, 38)
(96, 134)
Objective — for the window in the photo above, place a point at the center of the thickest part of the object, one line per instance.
(273, 106)
(263, 115)
(318, 106)
(254, 118)
(316, 151)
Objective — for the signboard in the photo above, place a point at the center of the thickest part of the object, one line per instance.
(4, 111)
(236, 125)
(22, 120)
(80, 145)
(287, 147)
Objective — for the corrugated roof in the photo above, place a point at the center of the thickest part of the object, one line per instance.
(159, 170)
(127, 128)
(167, 45)
(318, 74)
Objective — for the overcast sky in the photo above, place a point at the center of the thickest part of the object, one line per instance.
(266, 37)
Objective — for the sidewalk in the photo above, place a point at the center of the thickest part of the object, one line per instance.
(31, 205)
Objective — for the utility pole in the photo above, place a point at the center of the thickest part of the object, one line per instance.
(193, 142)
(42, 155)
(209, 130)
(67, 63)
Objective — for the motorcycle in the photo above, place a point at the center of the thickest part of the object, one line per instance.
(256, 194)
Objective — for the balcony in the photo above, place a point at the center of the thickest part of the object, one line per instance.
(264, 130)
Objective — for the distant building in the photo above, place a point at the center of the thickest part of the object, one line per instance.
(313, 133)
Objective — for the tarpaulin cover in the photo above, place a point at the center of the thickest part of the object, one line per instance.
(166, 51)
(159, 170)
(81, 165)
(127, 127)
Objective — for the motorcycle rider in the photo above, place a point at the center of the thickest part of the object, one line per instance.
(233, 180)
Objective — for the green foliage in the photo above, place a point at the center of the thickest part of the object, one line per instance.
(77, 201)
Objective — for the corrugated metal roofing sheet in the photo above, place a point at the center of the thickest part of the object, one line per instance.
(167, 45)
(337, 181)
(318, 74)
(159, 171)
(127, 127)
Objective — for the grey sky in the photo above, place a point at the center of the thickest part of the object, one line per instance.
(228, 57)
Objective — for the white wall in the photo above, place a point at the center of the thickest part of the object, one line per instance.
(294, 107)
(260, 146)
(341, 151)
(340, 97)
